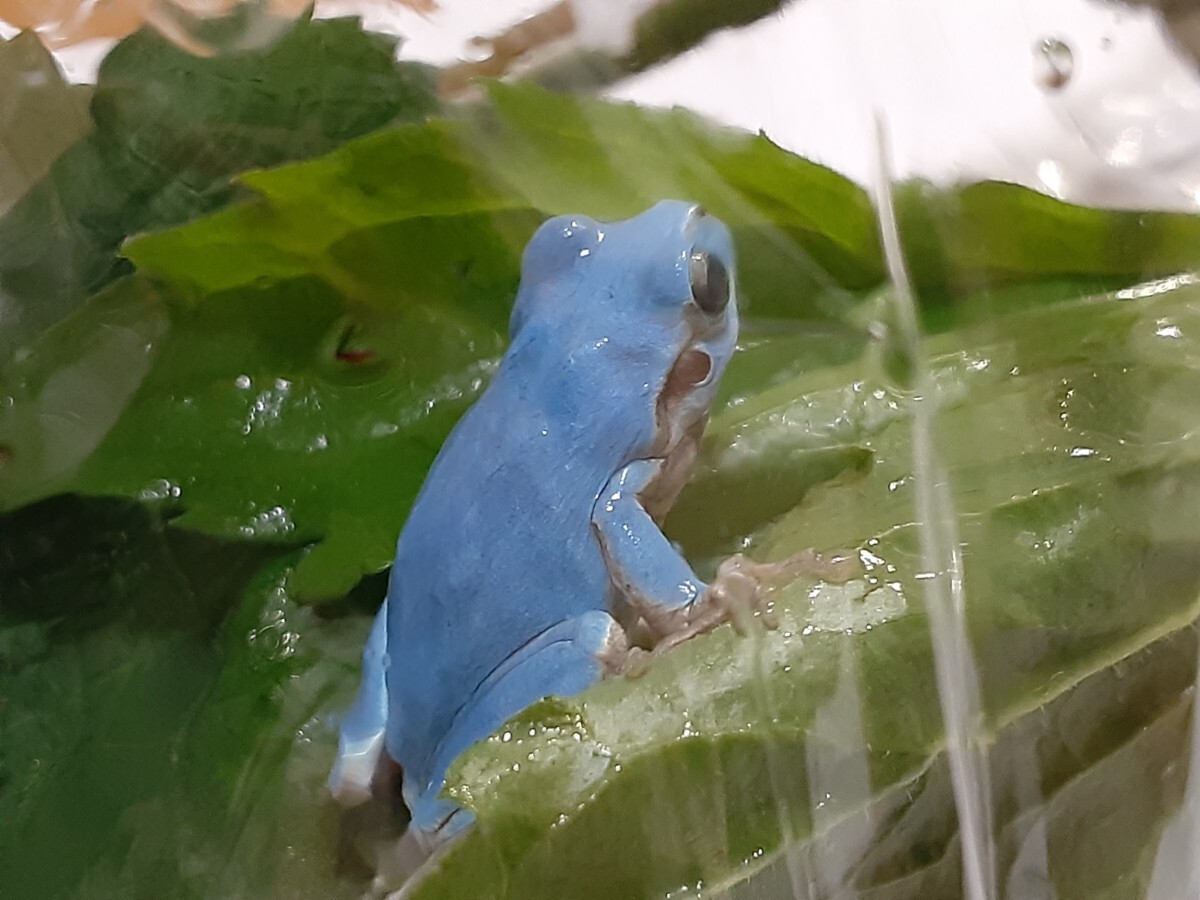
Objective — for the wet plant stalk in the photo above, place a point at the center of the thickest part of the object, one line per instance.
(941, 558)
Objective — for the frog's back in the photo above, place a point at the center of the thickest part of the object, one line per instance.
(497, 550)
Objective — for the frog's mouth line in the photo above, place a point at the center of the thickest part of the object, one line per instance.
(681, 402)
(680, 417)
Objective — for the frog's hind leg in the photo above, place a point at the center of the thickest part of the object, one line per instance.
(562, 661)
(361, 763)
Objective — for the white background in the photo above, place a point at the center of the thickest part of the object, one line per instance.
(960, 83)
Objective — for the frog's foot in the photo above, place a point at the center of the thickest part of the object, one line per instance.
(362, 769)
(836, 567)
(740, 594)
(397, 862)
(428, 864)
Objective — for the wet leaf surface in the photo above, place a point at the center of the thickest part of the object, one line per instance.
(1083, 584)
(341, 319)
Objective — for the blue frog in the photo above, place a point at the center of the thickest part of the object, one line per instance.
(533, 554)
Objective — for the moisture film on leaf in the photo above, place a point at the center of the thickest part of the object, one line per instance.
(1083, 581)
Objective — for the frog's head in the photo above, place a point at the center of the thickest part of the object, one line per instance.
(632, 323)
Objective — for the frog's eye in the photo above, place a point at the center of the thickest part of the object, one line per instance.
(710, 282)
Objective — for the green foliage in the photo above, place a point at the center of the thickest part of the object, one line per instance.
(300, 356)
(169, 131)
(277, 377)
(1076, 478)
(107, 624)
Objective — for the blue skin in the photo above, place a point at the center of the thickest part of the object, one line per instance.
(533, 547)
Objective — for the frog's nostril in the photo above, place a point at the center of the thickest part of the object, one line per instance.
(697, 212)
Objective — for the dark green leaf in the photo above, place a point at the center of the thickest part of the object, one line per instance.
(107, 623)
(673, 26)
(986, 236)
(240, 413)
(170, 130)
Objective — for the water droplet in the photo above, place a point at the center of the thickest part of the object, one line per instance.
(1167, 329)
(1053, 63)
(159, 490)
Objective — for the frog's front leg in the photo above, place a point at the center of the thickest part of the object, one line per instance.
(659, 584)
(656, 582)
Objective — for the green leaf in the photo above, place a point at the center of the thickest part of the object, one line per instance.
(807, 236)
(170, 130)
(530, 150)
(1076, 477)
(107, 618)
(240, 414)
(299, 358)
(673, 26)
(282, 375)
(985, 236)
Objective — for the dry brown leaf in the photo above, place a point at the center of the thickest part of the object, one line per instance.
(61, 23)
(509, 48)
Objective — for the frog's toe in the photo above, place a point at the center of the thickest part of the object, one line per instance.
(836, 567)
